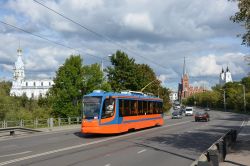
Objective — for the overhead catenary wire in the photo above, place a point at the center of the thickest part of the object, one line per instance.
(49, 40)
(98, 34)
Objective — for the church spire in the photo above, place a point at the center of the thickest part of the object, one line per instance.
(19, 50)
(227, 69)
(222, 71)
(184, 67)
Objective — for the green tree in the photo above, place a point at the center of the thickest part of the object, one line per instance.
(125, 74)
(243, 17)
(146, 76)
(122, 75)
(66, 91)
(246, 81)
(164, 94)
(5, 88)
(94, 79)
(234, 96)
(15, 108)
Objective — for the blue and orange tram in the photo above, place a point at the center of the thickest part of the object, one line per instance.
(111, 112)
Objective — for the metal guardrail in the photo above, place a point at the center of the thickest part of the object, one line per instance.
(218, 151)
(16, 131)
(40, 123)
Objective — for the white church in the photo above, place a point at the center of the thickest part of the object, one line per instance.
(225, 76)
(31, 88)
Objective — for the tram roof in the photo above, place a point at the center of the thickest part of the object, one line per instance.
(122, 93)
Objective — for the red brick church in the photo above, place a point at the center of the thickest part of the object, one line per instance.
(185, 89)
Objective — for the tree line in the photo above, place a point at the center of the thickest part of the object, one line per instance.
(229, 96)
(73, 80)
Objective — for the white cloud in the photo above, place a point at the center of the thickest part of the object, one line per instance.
(138, 21)
(82, 4)
(206, 65)
(8, 68)
(11, 19)
(163, 78)
(211, 65)
(63, 26)
(31, 9)
(235, 61)
(43, 76)
(203, 83)
(47, 58)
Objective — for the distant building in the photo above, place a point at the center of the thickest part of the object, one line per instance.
(225, 76)
(31, 88)
(185, 89)
(173, 96)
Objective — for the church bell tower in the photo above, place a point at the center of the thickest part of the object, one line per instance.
(18, 76)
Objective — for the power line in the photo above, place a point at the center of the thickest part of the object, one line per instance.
(44, 38)
(97, 34)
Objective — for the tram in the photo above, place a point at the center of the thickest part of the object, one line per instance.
(112, 112)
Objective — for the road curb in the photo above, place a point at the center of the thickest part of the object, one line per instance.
(217, 152)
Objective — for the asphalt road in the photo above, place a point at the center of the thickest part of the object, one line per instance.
(178, 142)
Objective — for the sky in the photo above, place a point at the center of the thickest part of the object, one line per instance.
(158, 33)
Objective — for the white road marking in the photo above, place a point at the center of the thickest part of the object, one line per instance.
(241, 134)
(14, 154)
(108, 164)
(83, 145)
(141, 151)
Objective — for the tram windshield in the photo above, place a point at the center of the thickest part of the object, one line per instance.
(91, 107)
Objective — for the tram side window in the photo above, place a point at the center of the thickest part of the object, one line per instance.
(160, 109)
(121, 108)
(150, 107)
(126, 108)
(140, 108)
(133, 107)
(145, 107)
(155, 108)
(108, 108)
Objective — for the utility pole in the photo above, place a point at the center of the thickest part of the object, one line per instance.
(244, 96)
(224, 95)
(102, 67)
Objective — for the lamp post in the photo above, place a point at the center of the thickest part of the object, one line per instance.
(224, 96)
(224, 99)
(102, 68)
(244, 96)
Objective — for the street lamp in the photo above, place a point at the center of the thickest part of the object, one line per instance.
(224, 99)
(244, 96)
(102, 68)
(224, 95)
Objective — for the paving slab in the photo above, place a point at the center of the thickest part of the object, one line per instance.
(240, 153)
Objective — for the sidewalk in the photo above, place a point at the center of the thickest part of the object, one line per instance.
(21, 132)
(59, 128)
(240, 152)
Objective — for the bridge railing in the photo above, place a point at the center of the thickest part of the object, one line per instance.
(218, 151)
(40, 123)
